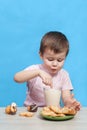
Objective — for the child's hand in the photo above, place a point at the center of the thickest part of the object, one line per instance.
(72, 102)
(46, 78)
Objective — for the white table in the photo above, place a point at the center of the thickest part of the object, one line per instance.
(16, 122)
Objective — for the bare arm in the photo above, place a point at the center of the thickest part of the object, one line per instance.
(65, 96)
(69, 100)
(26, 75)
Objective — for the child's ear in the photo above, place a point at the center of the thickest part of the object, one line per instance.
(40, 54)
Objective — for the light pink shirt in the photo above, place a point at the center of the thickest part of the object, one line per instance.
(35, 92)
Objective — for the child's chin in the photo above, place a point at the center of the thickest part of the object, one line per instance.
(54, 72)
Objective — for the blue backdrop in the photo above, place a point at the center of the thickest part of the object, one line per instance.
(22, 25)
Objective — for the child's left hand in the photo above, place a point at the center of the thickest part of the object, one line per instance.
(72, 102)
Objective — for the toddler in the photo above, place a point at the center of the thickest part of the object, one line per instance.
(53, 51)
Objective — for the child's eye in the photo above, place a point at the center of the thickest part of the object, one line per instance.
(50, 59)
(60, 60)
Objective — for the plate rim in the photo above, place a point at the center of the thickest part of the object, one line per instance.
(52, 118)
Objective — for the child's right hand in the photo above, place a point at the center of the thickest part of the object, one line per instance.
(46, 78)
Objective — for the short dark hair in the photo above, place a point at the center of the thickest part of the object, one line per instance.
(56, 41)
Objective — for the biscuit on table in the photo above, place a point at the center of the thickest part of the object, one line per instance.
(26, 114)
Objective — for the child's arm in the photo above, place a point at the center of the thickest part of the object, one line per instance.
(69, 100)
(26, 75)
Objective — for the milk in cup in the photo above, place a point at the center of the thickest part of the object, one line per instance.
(52, 96)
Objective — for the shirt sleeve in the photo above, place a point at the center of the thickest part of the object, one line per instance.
(32, 67)
(66, 84)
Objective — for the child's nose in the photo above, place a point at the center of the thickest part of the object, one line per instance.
(55, 63)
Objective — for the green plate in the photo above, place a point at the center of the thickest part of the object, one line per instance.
(67, 117)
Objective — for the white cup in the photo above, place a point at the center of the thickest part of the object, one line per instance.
(52, 97)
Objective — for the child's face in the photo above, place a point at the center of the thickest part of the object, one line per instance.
(53, 62)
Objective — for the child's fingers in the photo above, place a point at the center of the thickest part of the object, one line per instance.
(76, 105)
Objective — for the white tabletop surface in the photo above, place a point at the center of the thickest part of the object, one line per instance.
(16, 122)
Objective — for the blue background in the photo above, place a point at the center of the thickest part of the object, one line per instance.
(22, 25)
